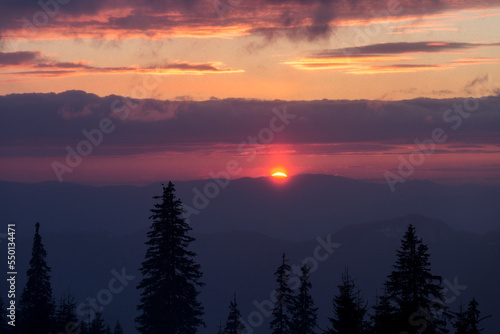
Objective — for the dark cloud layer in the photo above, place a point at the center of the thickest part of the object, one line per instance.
(17, 58)
(295, 19)
(399, 48)
(47, 122)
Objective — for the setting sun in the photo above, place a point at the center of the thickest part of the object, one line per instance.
(279, 175)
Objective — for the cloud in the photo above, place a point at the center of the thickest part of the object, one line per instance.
(398, 68)
(482, 85)
(365, 59)
(48, 122)
(342, 148)
(34, 64)
(442, 92)
(293, 19)
(17, 58)
(400, 48)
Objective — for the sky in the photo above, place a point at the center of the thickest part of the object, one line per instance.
(135, 91)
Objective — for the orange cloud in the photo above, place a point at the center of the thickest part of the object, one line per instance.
(398, 68)
(34, 64)
(340, 63)
(365, 59)
(476, 61)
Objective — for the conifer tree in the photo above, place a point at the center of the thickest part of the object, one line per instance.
(348, 309)
(97, 325)
(118, 328)
(87, 319)
(281, 321)
(383, 317)
(304, 314)
(220, 328)
(108, 330)
(66, 313)
(234, 325)
(467, 322)
(413, 288)
(171, 278)
(84, 327)
(460, 322)
(36, 305)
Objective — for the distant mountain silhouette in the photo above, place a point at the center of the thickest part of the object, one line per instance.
(244, 262)
(300, 209)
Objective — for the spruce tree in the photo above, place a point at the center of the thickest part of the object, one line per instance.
(383, 317)
(220, 328)
(413, 288)
(460, 323)
(36, 305)
(66, 313)
(84, 327)
(108, 330)
(348, 309)
(234, 325)
(171, 278)
(118, 328)
(281, 321)
(97, 325)
(86, 320)
(304, 314)
(467, 322)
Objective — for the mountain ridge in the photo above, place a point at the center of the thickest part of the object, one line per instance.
(298, 209)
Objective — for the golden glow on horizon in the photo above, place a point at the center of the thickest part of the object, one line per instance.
(279, 175)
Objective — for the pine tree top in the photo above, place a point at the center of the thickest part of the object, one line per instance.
(36, 305)
(411, 285)
(169, 300)
(233, 323)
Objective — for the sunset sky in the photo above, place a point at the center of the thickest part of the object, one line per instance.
(363, 80)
